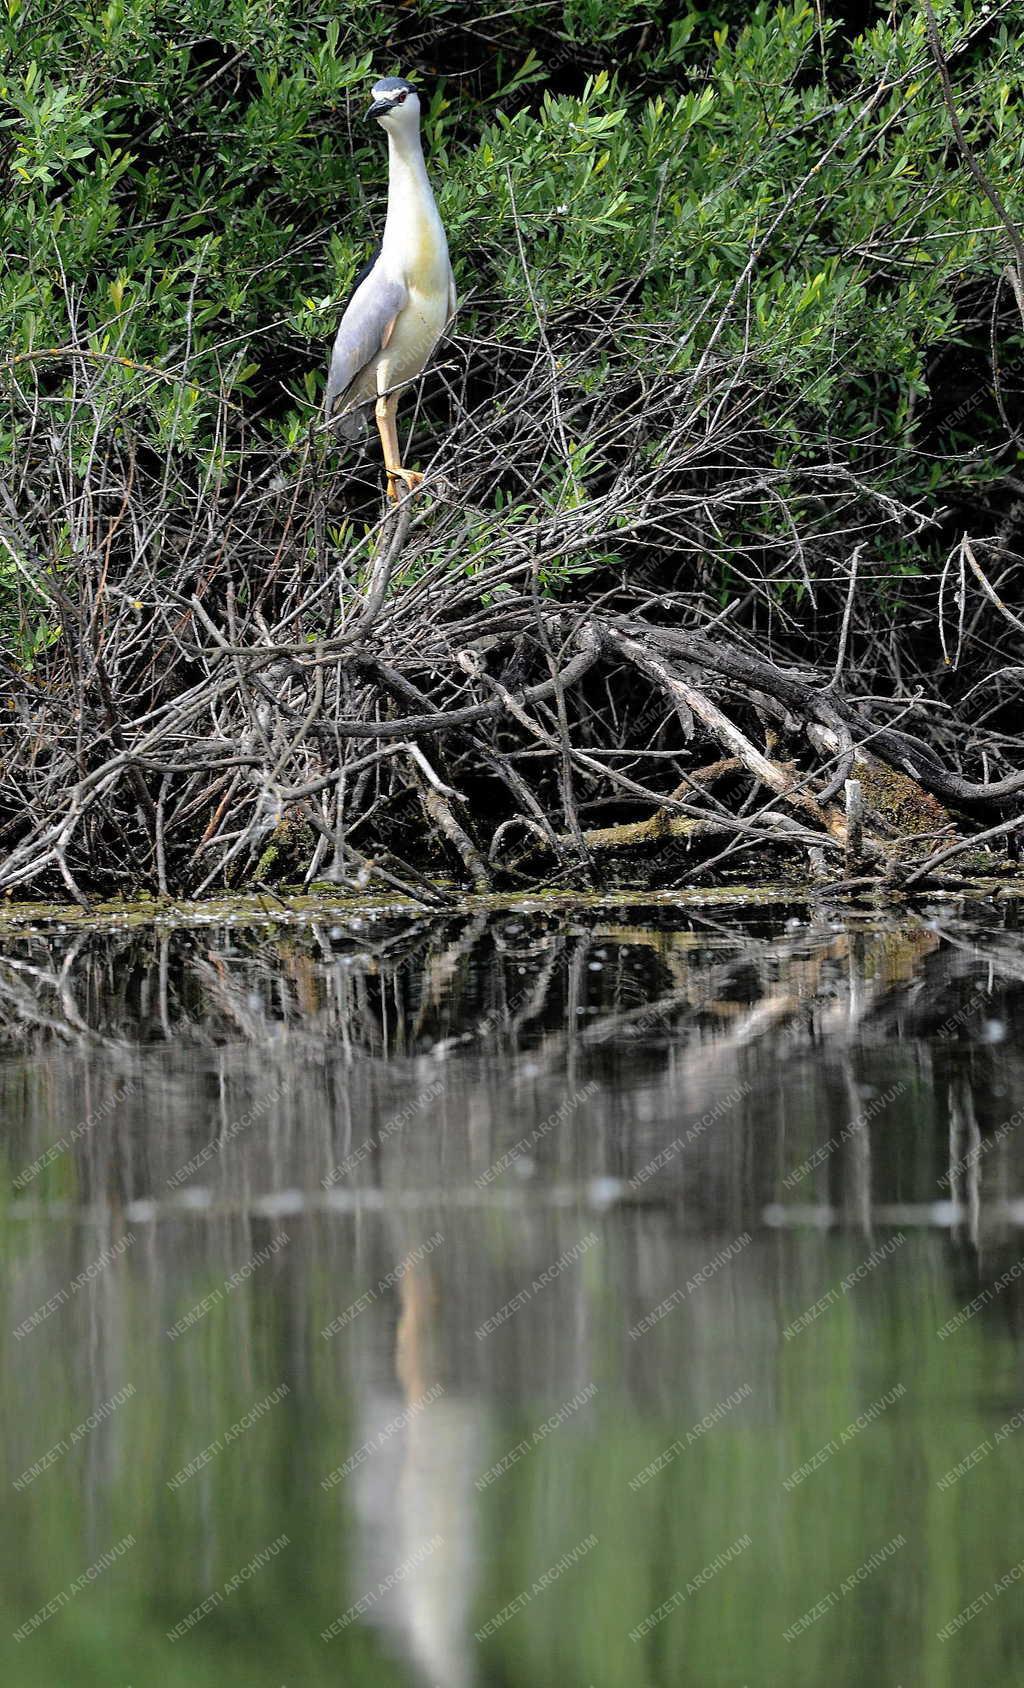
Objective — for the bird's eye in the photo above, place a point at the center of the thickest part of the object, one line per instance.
(400, 99)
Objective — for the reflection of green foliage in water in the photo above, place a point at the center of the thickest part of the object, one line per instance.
(651, 1542)
(882, 1483)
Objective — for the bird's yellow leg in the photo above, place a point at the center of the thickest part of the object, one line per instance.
(385, 417)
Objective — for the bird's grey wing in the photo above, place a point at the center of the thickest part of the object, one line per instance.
(365, 330)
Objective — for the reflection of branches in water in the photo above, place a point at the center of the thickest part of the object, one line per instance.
(496, 1019)
(394, 986)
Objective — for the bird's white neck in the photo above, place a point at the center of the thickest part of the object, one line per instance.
(412, 213)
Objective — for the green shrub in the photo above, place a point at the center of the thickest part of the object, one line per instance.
(191, 190)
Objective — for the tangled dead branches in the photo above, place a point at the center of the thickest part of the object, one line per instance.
(245, 690)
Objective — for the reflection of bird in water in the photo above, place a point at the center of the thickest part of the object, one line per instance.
(415, 1494)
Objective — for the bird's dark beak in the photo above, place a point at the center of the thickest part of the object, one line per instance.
(378, 108)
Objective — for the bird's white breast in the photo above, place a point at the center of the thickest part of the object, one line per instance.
(415, 251)
(416, 332)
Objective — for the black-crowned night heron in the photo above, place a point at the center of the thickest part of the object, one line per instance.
(405, 296)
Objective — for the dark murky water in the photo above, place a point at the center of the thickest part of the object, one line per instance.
(623, 1298)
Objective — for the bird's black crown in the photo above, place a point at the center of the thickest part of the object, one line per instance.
(392, 85)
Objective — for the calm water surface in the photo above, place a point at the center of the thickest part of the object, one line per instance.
(624, 1297)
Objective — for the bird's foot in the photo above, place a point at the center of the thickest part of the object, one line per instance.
(411, 478)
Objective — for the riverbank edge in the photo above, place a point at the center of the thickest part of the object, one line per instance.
(300, 906)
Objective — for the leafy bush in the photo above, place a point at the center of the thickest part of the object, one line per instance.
(194, 189)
